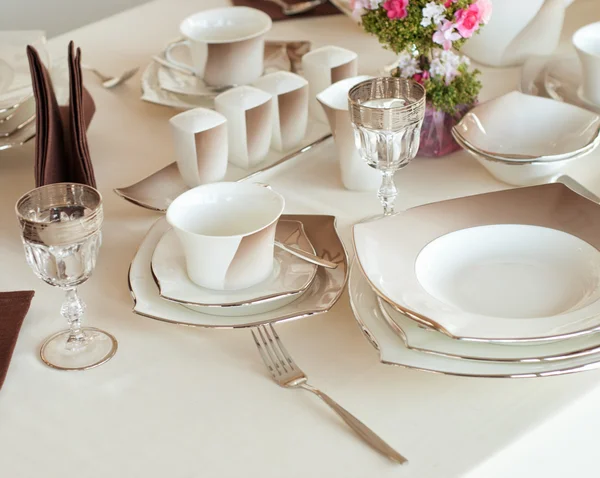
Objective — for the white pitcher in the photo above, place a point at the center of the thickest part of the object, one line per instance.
(518, 29)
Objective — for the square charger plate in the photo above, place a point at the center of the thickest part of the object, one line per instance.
(393, 270)
(321, 296)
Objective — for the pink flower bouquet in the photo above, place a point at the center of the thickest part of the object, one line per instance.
(427, 35)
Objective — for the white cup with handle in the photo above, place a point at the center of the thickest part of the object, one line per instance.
(227, 231)
(587, 43)
(226, 45)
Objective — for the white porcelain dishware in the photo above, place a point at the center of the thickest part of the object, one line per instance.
(323, 67)
(587, 43)
(227, 231)
(355, 172)
(321, 295)
(249, 115)
(290, 107)
(562, 78)
(517, 126)
(430, 341)
(516, 31)
(226, 45)
(523, 173)
(393, 351)
(200, 143)
(502, 266)
(291, 276)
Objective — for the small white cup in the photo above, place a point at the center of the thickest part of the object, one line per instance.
(249, 114)
(357, 175)
(200, 141)
(227, 231)
(226, 44)
(290, 107)
(323, 67)
(587, 43)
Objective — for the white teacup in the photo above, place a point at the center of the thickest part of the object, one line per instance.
(323, 67)
(357, 175)
(200, 140)
(227, 231)
(290, 107)
(248, 111)
(226, 44)
(587, 43)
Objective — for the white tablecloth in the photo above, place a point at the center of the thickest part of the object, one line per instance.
(181, 402)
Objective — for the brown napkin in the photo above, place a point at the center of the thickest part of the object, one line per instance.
(274, 10)
(13, 308)
(61, 150)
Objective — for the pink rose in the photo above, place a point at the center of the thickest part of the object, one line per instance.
(449, 2)
(396, 8)
(468, 20)
(485, 10)
(421, 77)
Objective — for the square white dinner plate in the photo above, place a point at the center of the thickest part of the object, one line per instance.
(393, 351)
(517, 265)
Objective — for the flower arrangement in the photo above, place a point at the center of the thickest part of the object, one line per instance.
(427, 35)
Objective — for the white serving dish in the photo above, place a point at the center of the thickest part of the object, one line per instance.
(523, 173)
(516, 126)
(503, 266)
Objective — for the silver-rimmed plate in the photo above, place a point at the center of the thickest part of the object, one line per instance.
(426, 340)
(393, 351)
(290, 278)
(323, 293)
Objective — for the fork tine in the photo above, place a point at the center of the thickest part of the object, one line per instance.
(274, 360)
(264, 357)
(276, 349)
(284, 352)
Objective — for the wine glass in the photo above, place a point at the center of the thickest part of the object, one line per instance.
(387, 114)
(60, 229)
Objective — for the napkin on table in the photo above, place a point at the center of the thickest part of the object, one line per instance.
(274, 10)
(13, 308)
(61, 149)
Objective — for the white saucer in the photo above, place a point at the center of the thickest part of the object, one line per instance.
(290, 278)
(322, 294)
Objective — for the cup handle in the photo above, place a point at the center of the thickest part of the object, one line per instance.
(178, 64)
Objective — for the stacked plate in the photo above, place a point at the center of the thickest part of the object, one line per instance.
(17, 106)
(505, 284)
(162, 290)
(526, 140)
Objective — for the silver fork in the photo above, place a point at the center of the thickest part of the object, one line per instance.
(287, 374)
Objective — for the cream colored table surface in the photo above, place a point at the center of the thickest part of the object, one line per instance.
(183, 403)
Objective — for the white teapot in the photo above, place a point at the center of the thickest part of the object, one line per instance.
(518, 29)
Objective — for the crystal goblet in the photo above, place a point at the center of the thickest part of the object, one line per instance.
(387, 114)
(60, 229)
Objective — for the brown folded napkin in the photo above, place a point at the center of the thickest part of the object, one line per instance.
(61, 150)
(13, 308)
(274, 10)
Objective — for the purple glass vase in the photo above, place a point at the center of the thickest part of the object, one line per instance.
(436, 138)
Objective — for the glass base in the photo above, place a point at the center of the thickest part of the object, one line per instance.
(100, 347)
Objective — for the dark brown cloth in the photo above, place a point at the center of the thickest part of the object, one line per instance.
(13, 308)
(61, 149)
(274, 10)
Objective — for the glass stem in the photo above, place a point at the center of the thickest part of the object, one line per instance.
(72, 309)
(387, 192)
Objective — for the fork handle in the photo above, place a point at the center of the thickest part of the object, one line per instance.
(359, 427)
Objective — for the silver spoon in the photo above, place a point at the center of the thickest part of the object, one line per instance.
(297, 8)
(307, 256)
(112, 81)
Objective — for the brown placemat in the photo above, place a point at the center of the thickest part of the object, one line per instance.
(274, 10)
(13, 308)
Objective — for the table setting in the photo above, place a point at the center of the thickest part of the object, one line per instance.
(396, 202)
